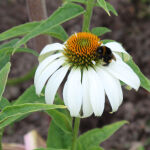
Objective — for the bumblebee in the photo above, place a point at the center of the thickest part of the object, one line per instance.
(105, 54)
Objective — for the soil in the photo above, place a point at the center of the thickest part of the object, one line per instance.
(131, 28)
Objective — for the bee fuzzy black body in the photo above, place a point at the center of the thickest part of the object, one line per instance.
(105, 54)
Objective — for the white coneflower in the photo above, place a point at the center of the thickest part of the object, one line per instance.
(89, 77)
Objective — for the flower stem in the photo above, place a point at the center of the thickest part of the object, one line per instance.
(75, 133)
(88, 15)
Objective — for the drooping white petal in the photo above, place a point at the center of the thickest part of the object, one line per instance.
(86, 107)
(65, 93)
(47, 72)
(123, 72)
(116, 47)
(112, 88)
(52, 47)
(44, 64)
(73, 92)
(54, 83)
(96, 92)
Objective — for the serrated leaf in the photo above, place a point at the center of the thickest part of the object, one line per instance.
(97, 136)
(61, 15)
(102, 3)
(100, 31)
(57, 32)
(145, 82)
(61, 120)
(57, 138)
(3, 77)
(22, 109)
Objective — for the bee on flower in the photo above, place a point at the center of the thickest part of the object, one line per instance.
(91, 68)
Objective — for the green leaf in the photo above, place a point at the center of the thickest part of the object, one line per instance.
(145, 82)
(4, 58)
(61, 120)
(18, 30)
(78, 1)
(57, 32)
(29, 96)
(111, 8)
(3, 103)
(141, 148)
(61, 15)
(96, 148)
(102, 3)
(3, 77)
(57, 138)
(97, 136)
(8, 51)
(9, 44)
(107, 41)
(59, 101)
(100, 31)
(23, 109)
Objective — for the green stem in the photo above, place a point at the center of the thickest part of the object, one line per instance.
(28, 76)
(88, 15)
(75, 133)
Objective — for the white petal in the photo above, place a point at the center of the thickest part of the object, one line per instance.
(49, 70)
(44, 64)
(52, 47)
(54, 83)
(65, 93)
(96, 92)
(112, 88)
(123, 72)
(74, 92)
(87, 107)
(116, 47)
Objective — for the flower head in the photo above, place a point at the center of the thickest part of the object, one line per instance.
(89, 74)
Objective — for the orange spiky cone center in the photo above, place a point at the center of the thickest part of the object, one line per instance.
(80, 49)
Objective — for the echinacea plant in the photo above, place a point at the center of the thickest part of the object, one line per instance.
(83, 66)
(88, 79)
